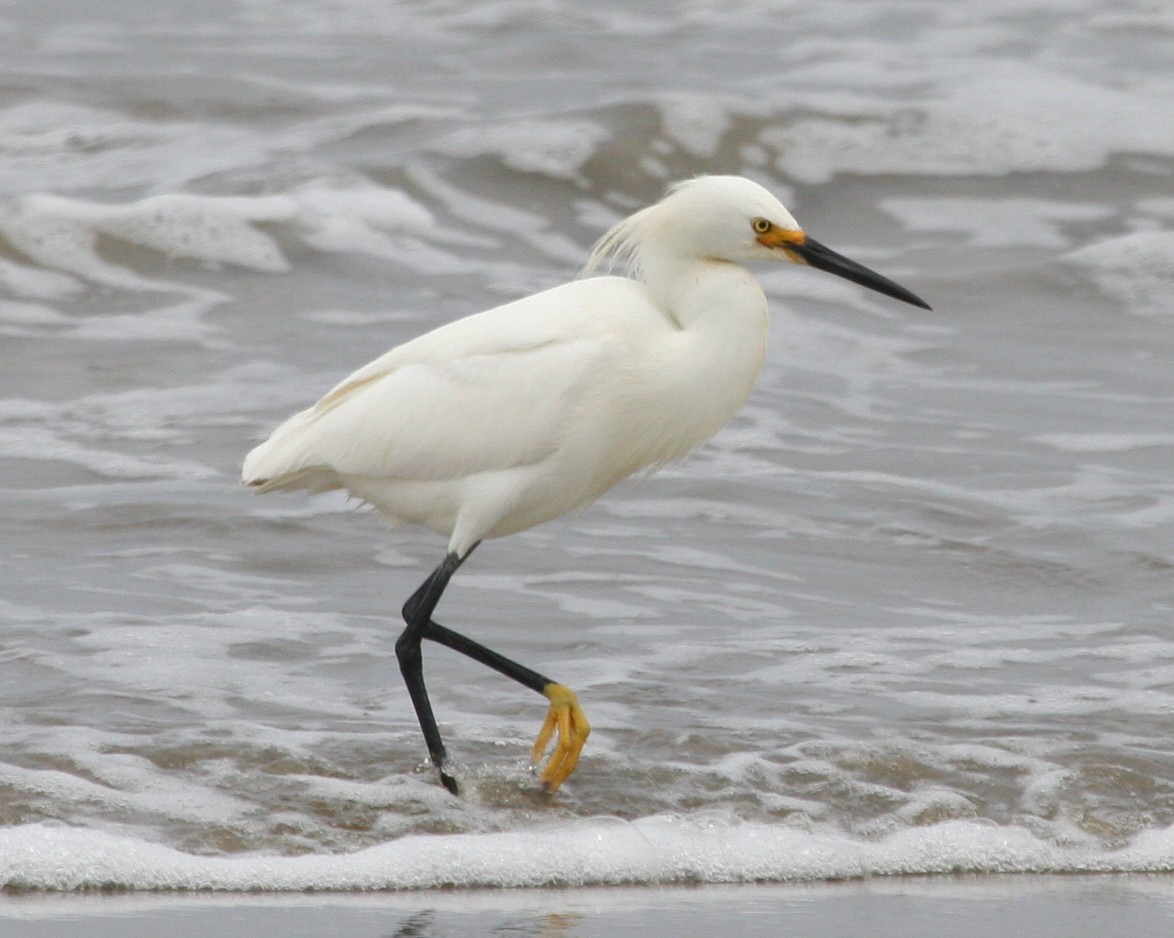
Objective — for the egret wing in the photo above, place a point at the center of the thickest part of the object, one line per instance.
(477, 396)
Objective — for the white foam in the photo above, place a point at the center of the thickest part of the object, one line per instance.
(56, 146)
(120, 784)
(1137, 269)
(989, 118)
(995, 223)
(48, 445)
(553, 147)
(35, 284)
(211, 229)
(62, 234)
(656, 850)
(1105, 442)
(17, 317)
(696, 123)
(367, 219)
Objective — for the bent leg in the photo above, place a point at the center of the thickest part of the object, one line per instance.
(417, 614)
(565, 717)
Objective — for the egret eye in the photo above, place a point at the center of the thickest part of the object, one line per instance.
(761, 225)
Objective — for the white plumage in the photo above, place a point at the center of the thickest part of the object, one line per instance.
(495, 423)
(503, 420)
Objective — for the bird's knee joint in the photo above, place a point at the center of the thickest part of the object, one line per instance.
(407, 650)
(409, 610)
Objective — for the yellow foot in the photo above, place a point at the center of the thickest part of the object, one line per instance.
(567, 717)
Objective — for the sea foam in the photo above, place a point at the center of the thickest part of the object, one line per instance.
(1137, 269)
(62, 234)
(599, 851)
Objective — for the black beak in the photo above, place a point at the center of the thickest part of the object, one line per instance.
(815, 254)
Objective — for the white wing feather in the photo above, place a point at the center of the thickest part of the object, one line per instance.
(439, 407)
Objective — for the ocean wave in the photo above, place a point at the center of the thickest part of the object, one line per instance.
(598, 851)
(62, 234)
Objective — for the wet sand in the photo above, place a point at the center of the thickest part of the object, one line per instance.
(975, 907)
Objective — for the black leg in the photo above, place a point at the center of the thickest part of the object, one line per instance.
(565, 715)
(487, 656)
(417, 614)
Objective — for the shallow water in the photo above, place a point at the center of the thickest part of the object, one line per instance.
(909, 612)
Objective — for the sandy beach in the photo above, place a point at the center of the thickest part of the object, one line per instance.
(975, 907)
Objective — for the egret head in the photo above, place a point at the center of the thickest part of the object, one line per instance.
(729, 218)
(723, 218)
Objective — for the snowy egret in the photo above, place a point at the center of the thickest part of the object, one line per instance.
(503, 420)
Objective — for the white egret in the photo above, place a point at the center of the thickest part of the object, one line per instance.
(503, 420)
